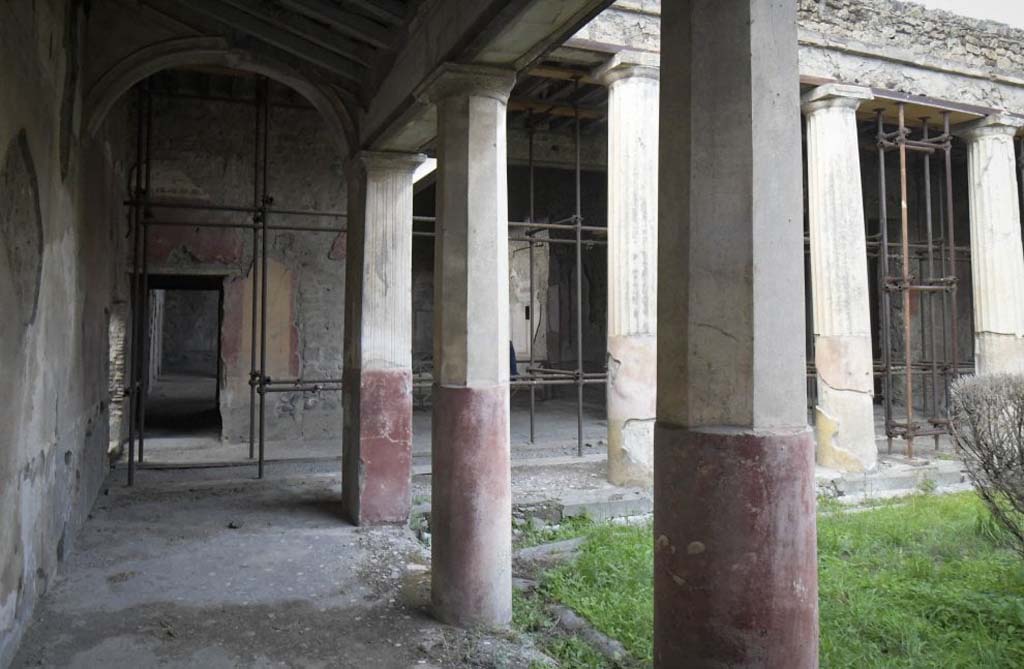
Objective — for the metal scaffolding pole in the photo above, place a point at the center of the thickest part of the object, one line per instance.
(947, 147)
(144, 342)
(928, 301)
(931, 289)
(257, 199)
(883, 272)
(141, 205)
(908, 378)
(135, 213)
(264, 217)
(140, 208)
(531, 316)
(579, 284)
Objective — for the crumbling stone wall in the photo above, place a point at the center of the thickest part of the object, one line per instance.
(900, 46)
(905, 47)
(60, 250)
(906, 26)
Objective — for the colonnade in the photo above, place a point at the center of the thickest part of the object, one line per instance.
(707, 387)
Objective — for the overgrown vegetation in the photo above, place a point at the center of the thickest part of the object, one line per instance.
(987, 414)
(570, 528)
(528, 615)
(916, 584)
(925, 581)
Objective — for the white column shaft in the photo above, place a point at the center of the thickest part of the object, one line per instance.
(380, 228)
(471, 256)
(997, 258)
(633, 204)
(844, 415)
(632, 271)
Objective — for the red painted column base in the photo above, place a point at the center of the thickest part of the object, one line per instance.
(735, 555)
(471, 507)
(377, 448)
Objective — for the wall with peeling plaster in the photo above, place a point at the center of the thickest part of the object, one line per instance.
(203, 153)
(61, 237)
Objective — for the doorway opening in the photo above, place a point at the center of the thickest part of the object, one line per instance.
(185, 318)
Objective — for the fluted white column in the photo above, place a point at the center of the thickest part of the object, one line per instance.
(633, 87)
(997, 257)
(844, 415)
(377, 448)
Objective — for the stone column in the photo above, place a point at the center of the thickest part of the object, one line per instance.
(735, 572)
(844, 416)
(997, 259)
(377, 448)
(632, 81)
(471, 517)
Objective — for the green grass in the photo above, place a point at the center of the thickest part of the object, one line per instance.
(918, 585)
(569, 528)
(918, 582)
(528, 615)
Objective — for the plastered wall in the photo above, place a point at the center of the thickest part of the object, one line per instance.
(60, 233)
(203, 153)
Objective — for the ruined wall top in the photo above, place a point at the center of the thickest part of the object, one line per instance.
(891, 27)
(908, 27)
(899, 46)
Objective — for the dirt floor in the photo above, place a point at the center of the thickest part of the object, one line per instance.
(197, 440)
(246, 573)
(204, 566)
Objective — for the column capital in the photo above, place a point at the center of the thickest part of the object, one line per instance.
(627, 65)
(390, 161)
(829, 96)
(456, 80)
(993, 125)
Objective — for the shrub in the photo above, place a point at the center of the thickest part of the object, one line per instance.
(987, 415)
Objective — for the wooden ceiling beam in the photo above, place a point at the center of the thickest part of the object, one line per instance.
(346, 22)
(310, 31)
(591, 96)
(531, 89)
(564, 73)
(282, 39)
(389, 11)
(552, 109)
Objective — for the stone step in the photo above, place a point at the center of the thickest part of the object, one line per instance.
(892, 477)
